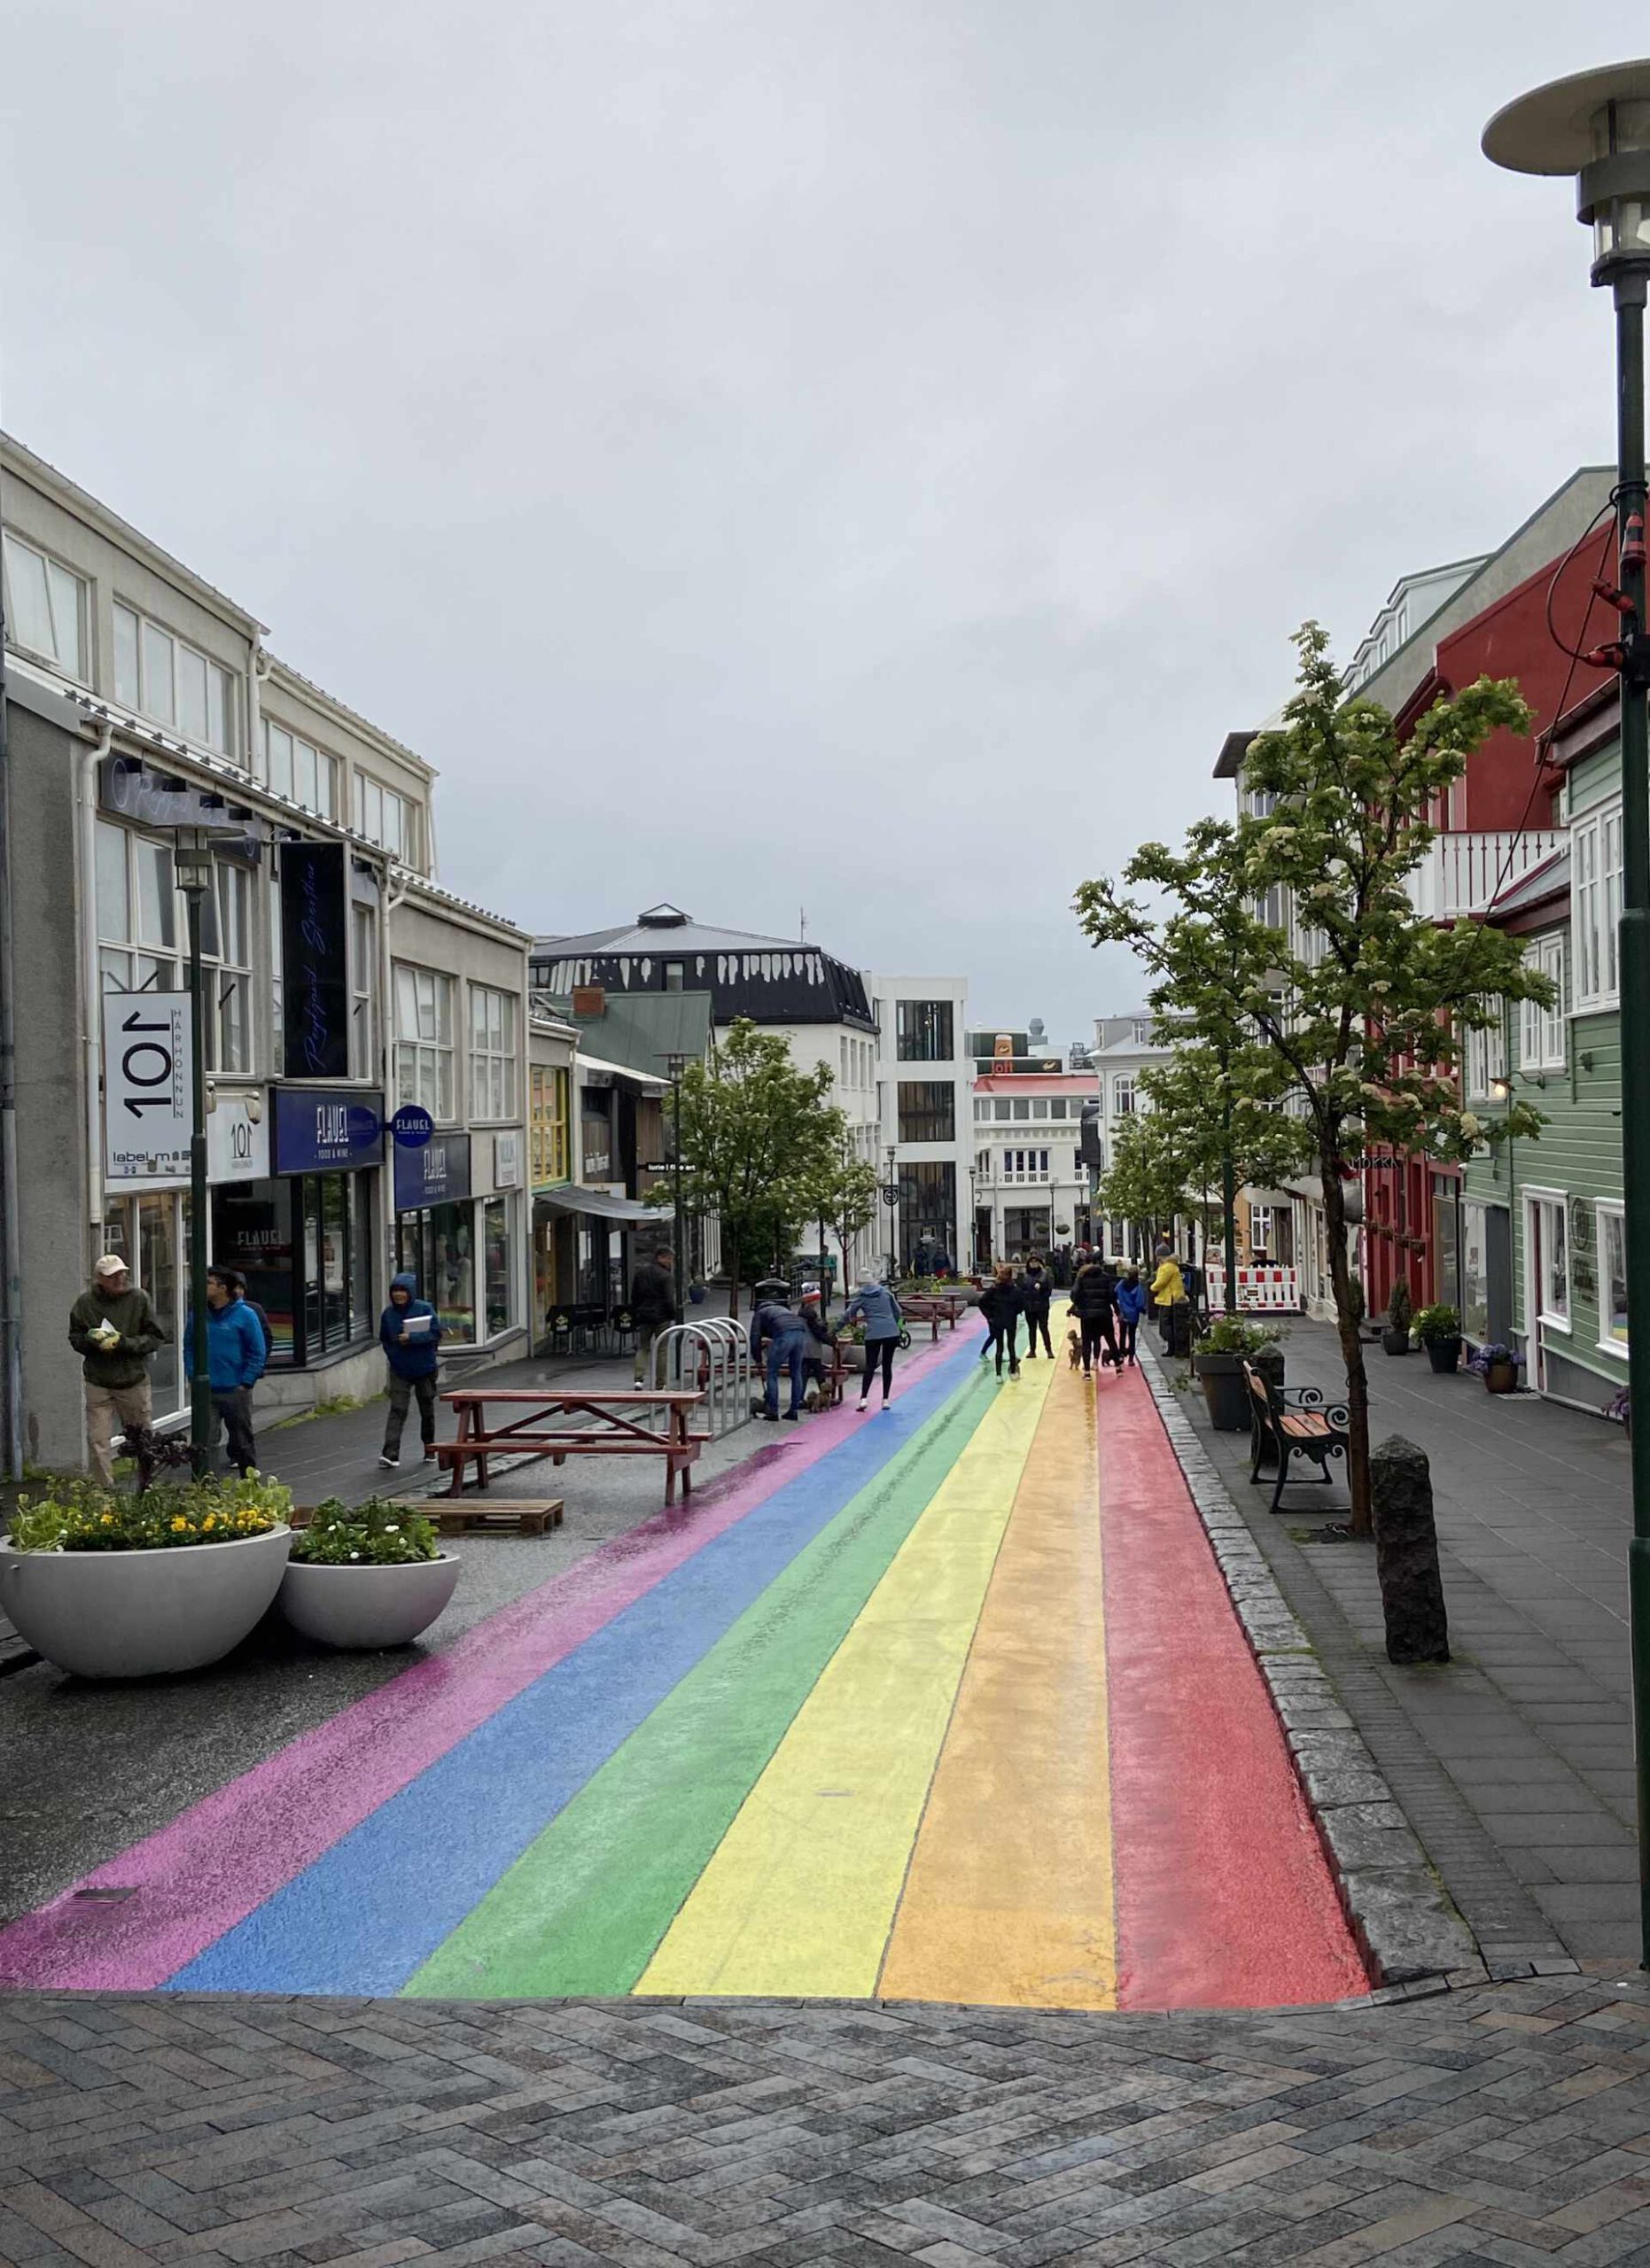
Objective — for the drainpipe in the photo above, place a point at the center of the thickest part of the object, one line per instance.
(393, 897)
(11, 1217)
(259, 674)
(91, 985)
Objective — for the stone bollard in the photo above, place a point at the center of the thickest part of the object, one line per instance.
(1406, 1553)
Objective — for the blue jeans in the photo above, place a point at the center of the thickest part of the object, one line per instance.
(785, 1355)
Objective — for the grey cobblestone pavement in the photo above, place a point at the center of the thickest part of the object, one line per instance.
(1509, 2124)
(1514, 1763)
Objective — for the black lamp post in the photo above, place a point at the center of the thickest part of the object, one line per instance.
(675, 1064)
(193, 868)
(1596, 126)
(893, 1217)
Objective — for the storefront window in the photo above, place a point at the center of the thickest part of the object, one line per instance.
(318, 1296)
(495, 1243)
(438, 1245)
(1475, 1271)
(1613, 1277)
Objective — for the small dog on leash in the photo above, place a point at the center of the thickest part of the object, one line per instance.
(1074, 1349)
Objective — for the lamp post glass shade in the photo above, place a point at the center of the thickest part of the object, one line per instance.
(192, 859)
(1596, 126)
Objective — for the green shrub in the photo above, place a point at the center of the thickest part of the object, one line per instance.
(82, 1516)
(1400, 1307)
(1233, 1335)
(1435, 1322)
(377, 1534)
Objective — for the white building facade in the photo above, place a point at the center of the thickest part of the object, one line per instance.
(925, 1080)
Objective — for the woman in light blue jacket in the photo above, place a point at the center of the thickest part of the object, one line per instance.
(875, 1306)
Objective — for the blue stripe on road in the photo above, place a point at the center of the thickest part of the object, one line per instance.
(363, 1917)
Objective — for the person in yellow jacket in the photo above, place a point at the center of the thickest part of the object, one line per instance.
(1168, 1284)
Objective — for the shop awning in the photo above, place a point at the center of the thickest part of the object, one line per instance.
(599, 1201)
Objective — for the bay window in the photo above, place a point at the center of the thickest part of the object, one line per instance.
(1541, 1036)
(1595, 904)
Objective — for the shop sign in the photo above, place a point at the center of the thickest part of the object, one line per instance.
(148, 1089)
(507, 1160)
(237, 1139)
(320, 1130)
(153, 798)
(437, 1174)
(315, 960)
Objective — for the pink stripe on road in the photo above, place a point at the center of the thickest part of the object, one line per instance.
(223, 1857)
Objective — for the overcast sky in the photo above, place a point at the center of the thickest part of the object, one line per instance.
(850, 455)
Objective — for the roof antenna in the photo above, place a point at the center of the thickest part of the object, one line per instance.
(802, 921)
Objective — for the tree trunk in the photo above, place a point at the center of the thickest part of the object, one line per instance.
(1351, 1348)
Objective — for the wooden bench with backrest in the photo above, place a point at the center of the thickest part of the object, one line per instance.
(1292, 1422)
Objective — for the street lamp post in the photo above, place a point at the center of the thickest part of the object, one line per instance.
(1596, 126)
(192, 864)
(675, 1064)
(894, 1218)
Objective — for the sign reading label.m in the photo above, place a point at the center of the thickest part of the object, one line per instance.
(148, 1089)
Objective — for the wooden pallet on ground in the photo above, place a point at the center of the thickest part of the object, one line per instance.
(531, 1516)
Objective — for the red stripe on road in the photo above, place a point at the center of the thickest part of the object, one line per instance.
(1224, 1896)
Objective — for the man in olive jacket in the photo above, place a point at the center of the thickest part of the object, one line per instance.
(114, 1330)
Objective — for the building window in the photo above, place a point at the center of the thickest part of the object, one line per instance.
(928, 1208)
(1486, 1063)
(1612, 1275)
(1142, 1035)
(928, 1111)
(1474, 1271)
(492, 1054)
(1057, 1106)
(225, 951)
(141, 929)
(386, 818)
(498, 1304)
(1000, 1109)
(423, 1042)
(675, 973)
(297, 769)
(1541, 1037)
(1595, 904)
(158, 676)
(1123, 1095)
(45, 607)
(304, 1243)
(923, 1031)
(1549, 1260)
(547, 1132)
(438, 1245)
(364, 986)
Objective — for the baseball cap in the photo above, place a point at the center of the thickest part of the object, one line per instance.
(110, 1264)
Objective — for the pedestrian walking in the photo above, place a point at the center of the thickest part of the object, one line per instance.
(1131, 1306)
(1168, 1288)
(235, 1364)
(409, 1332)
(821, 1340)
(114, 1330)
(874, 1306)
(1000, 1304)
(1092, 1297)
(653, 1304)
(787, 1339)
(1035, 1289)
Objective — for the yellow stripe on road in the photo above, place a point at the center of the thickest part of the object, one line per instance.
(1009, 1899)
(800, 1895)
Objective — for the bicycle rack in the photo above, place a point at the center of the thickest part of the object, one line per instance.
(712, 1356)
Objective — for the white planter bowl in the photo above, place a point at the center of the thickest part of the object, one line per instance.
(364, 1607)
(141, 1613)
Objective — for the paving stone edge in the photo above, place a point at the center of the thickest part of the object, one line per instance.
(1407, 1926)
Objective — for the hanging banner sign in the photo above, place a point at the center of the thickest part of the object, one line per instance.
(148, 1091)
(315, 960)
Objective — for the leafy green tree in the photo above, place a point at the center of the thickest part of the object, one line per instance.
(1343, 1024)
(755, 1131)
(844, 1192)
(1171, 1154)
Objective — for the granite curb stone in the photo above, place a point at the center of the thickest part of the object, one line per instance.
(1406, 1924)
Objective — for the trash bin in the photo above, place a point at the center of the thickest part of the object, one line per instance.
(1178, 1337)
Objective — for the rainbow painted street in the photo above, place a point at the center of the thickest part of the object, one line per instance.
(948, 1704)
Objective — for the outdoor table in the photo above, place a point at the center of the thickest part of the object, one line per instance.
(539, 1421)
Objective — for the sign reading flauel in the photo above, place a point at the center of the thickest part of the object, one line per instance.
(318, 1131)
(148, 1091)
(315, 960)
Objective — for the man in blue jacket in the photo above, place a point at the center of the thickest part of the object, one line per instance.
(789, 1341)
(234, 1359)
(409, 1332)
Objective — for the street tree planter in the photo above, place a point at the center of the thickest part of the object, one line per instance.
(142, 1613)
(1226, 1389)
(359, 1609)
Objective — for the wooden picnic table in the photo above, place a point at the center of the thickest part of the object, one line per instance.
(541, 1424)
(933, 1307)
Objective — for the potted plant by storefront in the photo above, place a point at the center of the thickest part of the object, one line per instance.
(1498, 1367)
(108, 1585)
(1439, 1330)
(1217, 1365)
(367, 1575)
(1400, 1313)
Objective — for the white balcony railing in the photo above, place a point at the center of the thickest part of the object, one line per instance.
(1462, 873)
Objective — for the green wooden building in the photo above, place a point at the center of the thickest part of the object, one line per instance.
(1542, 1242)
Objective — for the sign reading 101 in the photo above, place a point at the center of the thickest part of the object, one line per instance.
(148, 1095)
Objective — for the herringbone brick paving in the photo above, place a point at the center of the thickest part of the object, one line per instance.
(1509, 2124)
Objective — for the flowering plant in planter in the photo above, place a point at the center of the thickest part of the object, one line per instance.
(81, 1516)
(377, 1534)
(1495, 1358)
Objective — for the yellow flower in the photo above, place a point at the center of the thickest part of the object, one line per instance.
(108, 1519)
(209, 1521)
(178, 1522)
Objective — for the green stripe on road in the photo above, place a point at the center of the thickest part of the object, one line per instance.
(584, 1907)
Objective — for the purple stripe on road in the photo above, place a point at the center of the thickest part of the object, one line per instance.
(223, 1857)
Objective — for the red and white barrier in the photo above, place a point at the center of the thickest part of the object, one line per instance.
(1274, 1289)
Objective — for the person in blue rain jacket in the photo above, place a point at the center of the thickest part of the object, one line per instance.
(876, 1307)
(409, 1332)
